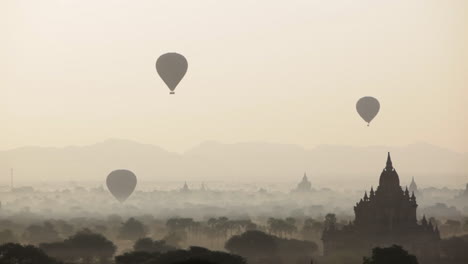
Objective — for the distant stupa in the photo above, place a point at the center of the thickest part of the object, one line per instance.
(413, 187)
(203, 187)
(304, 185)
(185, 188)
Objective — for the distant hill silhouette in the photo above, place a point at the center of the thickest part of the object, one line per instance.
(329, 165)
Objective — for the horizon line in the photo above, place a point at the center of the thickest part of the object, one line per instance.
(228, 143)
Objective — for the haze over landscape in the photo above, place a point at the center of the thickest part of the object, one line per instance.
(289, 72)
(326, 165)
(233, 132)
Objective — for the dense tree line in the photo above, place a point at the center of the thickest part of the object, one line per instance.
(275, 240)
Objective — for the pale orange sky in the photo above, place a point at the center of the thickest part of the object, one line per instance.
(76, 72)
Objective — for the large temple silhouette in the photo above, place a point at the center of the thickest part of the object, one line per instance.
(304, 185)
(384, 217)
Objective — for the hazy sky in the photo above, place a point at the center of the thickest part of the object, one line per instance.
(80, 71)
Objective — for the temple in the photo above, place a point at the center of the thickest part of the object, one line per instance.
(384, 217)
(413, 187)
(185, 188)
(304, 185)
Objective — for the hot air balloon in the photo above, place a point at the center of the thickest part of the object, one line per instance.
(368, 107)
(121, 184)
(171, 67)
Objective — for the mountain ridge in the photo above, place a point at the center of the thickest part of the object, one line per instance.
(327, 164)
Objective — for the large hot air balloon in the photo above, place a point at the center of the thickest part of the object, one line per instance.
(368, 107)
(121, 184)
(171, 67)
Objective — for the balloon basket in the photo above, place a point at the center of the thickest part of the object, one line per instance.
(172, 93)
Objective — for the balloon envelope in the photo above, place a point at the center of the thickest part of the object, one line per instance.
(121, 184)
(368, 107)
(171, 67)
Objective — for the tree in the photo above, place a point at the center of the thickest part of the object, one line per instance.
(465, 225)
(311, 229)
(390, 255)
(179, 224)
(454, 249)
(7, 236)
(149, 245)
(291, 220)
(259, 247)
(330, 222)
(64, 228)
(175, 239)
(136, 257)
(84, 245)
(281, 227)
(132, 229)
(253, 245)
(296, 251)
(219, 227)
(179, 229)
(36, 234)
(195, 255)
(453, 226)
(17, 254)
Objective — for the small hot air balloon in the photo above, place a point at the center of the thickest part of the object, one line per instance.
(121, 184)
(171, 67)
(368, 107)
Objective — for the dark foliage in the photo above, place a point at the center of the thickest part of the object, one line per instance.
(390, 255)
(149, 245)
(83, 246)
(259, 247)
(136, 257)
(455, 249)
(132, 229)
(196, 255)
(252, 245)
(45, 233)
(7, 236)
(17, 254)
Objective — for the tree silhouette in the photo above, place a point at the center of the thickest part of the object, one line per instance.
(175, 239)
(465, 226)
(84, 245)
(17, 254)
(390, 255)
(196, 255)
(454, 249)
(281, 227)
(259, 247)
(36, 234)
(149, 245)
(330, 221)
(7, 236)
(132, 229)
(136, 257)
(253, 245)
(311, 229)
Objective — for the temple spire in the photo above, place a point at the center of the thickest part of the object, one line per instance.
(424, 221)
(389, 166)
